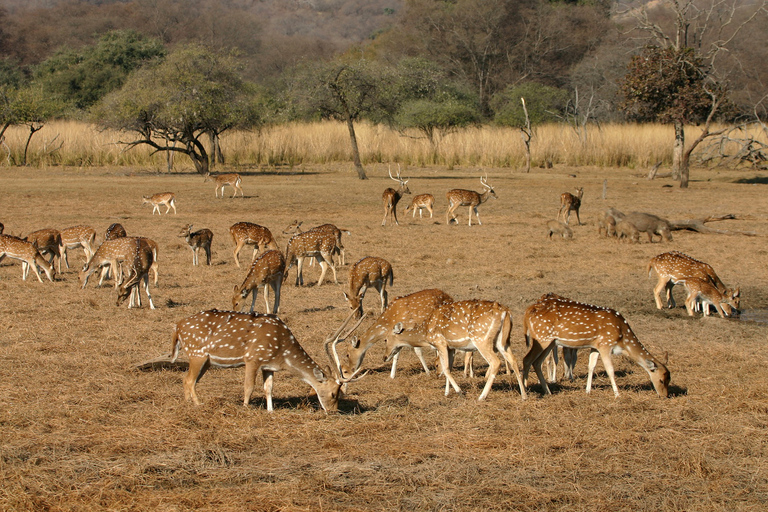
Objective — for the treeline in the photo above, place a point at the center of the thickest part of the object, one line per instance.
(173, 71)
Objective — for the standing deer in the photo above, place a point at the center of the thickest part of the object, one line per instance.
(109, 254)
(266, 271)
(115, 230)
(29, 256)
(247, 233)
(468, 326)
(166, 198)
(222, 180)
(47, 241)
(317, 244)
(74, 237)
(258, 342)
(707, 294)
(460, 197)
(367, 272)
(391, 197)
(421, 202)
(409, 312)
(295, 228)
(137, 271)
(569, 203)
(200, 239)
(675, 267)
(556, 321)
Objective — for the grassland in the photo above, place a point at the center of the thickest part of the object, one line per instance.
(81, 430)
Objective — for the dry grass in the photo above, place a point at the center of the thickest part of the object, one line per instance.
(82, 431)
(633, 146)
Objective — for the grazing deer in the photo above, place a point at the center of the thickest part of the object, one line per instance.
(470, 325)
(556, 321)
(166, 198)
(266, 271)
(675, 267)
(109, 254)
(258, 342)
(421, 202)
(47, 241)
(569, 203)
(29, 256)
(410, 312)
(137, 271)
(460, 197)
(391, 197)
(114, 231)
(74, 237)
(222, 180)
(247, 233)
(317, 244)
(295, 228)
(200, 239)
(706, 293)
(367, 272)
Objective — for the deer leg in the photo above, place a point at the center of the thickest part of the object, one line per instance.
(446, 361)
(197, 368)
(208, 255)
(537, 362)
(593, 355)
(254, 292)
(238, 246)
(690, 303)
(670, 298)
(569, 358)
(276, 285)
(249, 382)
(493, 369)
(469, 211)
(469, 371)
(384, 297)
(420, 354)
(268, 376)
(146, 289)
(660, 286)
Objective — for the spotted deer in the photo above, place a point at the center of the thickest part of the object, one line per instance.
(165, 198)
(295, 228)
(421, 202)
(675, 267)
(570, 203)
(48, 242)
(391, 197)
(409, 312)
(706, 293)
(555, 321)
(259, 342)
(368, 272)
(310, 244)
(29, 256)
(467, 326)
(266, 271)
(109, 254)
(222, 180)
(114, 230)
(200, 239)
(460, 197)
(247, 233)
(137, 271)
(74, 237)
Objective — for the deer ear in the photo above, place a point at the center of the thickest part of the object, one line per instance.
(319, 375)
(398, 328)
(651, 365)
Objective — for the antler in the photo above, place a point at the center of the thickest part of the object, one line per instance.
(484, 181)
(336, 338)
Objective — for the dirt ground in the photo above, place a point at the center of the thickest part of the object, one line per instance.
(81, 430)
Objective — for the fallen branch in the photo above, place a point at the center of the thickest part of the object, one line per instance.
(162, 363)
(698, 225)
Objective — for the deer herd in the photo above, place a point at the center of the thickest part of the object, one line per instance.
(429, 321)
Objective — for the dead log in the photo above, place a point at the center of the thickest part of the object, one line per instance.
(698, 225)
(162, 363)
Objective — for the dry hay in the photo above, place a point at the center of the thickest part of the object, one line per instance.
(82, 430)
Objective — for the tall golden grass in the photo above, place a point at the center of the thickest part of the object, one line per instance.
(79, 144)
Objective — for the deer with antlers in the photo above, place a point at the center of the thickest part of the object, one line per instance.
(258, 342)
(200, 239)
(570, 203)
(557, 321)
(137, 271)
(675, 267)
(311, 244)
(460, 197)
(47, 242)
(222, 180)
(368, 272)
(29, 256)
(74, 237)
(421, 202)
(391, 197)
(295, 228)
(266, 271)
(247, 233)
(165, 198)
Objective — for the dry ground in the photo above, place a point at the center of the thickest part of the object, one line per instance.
(80, 430)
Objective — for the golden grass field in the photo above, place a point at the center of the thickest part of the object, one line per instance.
(81, 430)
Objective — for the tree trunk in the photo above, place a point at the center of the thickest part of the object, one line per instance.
(216, 155)
(355, 150)
(677, 152)
(32, 129)
(199, 156)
